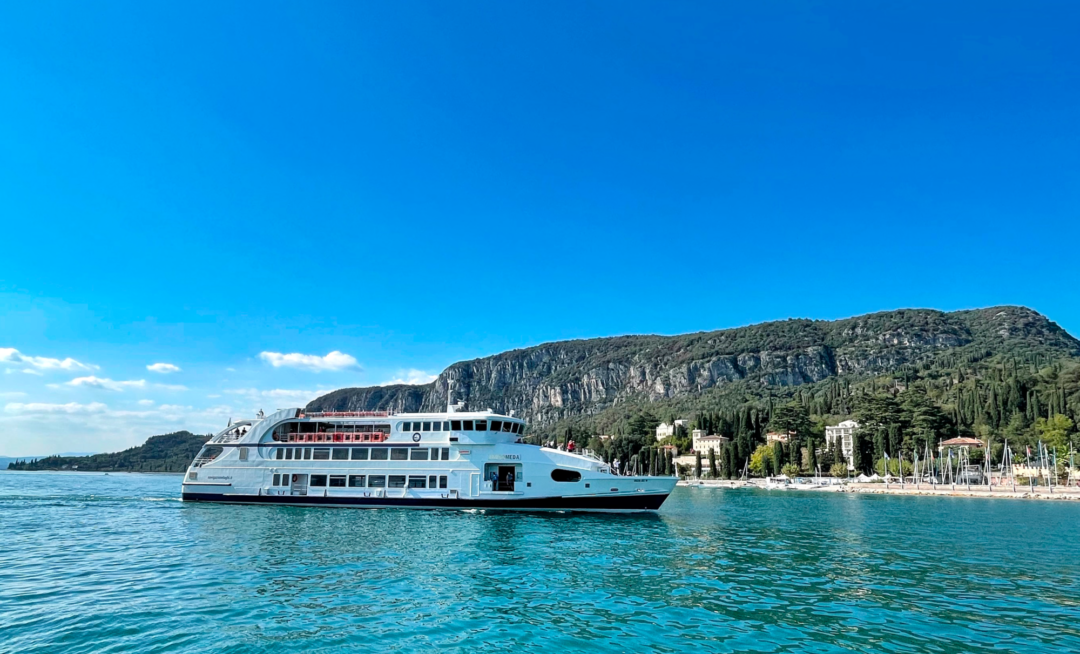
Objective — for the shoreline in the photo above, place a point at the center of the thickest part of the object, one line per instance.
(1002, 492)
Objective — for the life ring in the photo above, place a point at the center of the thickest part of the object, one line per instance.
(416, 437)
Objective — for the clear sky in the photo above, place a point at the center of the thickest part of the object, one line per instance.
(238, 190)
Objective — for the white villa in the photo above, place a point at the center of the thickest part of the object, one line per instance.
(844, 434)
(704, 443)
(665, 430)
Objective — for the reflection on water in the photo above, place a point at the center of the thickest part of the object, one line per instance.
(117, 564)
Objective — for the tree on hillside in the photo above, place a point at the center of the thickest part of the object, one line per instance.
(644, 423)
(761, 461)
(1054, 431)
(697, 465)
(791, 417)
(713, 472)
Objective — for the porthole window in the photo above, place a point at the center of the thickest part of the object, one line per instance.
(558, 474)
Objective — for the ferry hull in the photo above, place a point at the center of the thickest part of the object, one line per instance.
(636, 503)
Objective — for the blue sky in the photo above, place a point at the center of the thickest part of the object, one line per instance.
(216, 186)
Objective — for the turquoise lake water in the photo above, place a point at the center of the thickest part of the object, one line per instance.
(95, 563)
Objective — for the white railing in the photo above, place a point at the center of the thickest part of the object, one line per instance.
(345, 414)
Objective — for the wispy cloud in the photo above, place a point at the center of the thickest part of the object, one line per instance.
(11, 356)
(281, 396)
(105, 383)
(42, 407)
(334, 361)
(411, 376)
(163, 368)
(146, 403)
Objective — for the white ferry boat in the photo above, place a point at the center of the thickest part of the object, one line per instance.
(458, 460)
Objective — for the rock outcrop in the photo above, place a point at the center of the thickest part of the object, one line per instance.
(553, 381)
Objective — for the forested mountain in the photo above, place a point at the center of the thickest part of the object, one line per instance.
(913, 376)
(165, 453)
(821, 362)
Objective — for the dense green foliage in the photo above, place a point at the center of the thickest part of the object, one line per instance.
(165, 453)
(1022, 391)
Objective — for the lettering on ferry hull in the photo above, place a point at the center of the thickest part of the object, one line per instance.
(505, 457)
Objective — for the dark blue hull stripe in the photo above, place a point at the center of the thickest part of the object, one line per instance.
(636, 502)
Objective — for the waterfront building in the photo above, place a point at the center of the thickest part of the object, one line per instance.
(703, 443)
(670, 448)
(778, 437)
(843, 436)
(960, 443)
(663, 430)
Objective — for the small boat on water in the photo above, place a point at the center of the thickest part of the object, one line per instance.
(373, 459)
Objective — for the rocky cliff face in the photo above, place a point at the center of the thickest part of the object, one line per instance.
(558, 380)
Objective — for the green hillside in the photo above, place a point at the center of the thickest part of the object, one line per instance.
(164, 453)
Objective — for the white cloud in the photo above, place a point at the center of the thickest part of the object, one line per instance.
(146, 402)
(411, 376)
(163, 368)
(11, 394)
(41, 407)
(280, 397)
(105, 383)
(334, 361)
(171, 387)
(11, 356)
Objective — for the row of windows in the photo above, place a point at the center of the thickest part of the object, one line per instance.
(364, 453)
(463, 425)
(369, 481)
(324, 427)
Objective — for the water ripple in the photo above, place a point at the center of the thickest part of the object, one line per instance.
(117, 564)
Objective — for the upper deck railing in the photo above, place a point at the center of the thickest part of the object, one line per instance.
(345, 414)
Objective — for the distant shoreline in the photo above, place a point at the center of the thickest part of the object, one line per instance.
(98, 472)
(925, 490)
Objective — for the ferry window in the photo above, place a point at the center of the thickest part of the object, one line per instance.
(377, 481)
(433, 482)
(446, 426)
(382, 429)
(337, 481)
(359, 454)
(406, 426)
(508, 426)
(496, 425)
(558, 474)
(396, 481)
(436, 426)
(419, 454)
(446, 454)
(277, 479)
(341, 454)
(322, 454)
(466, 425)
(318, 480)
(455, 425)
(399, 454)
(417, 482)
(378, 454)
(426, 427)
(481, 425)
(356, 481)
(279, 453)
(517, 427)
(307, 453)
(243, 453)
(442, 481)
